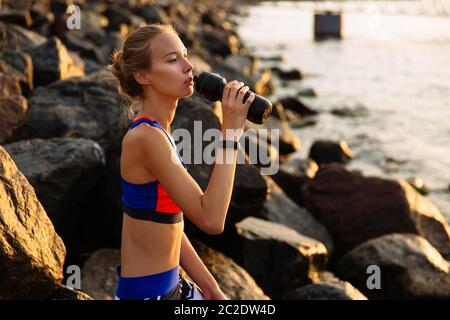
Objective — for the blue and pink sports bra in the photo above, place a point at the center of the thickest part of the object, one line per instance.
(150, 201)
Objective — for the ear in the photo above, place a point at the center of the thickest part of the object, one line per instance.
(142, 78)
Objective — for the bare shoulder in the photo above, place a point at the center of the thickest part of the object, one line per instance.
(143, 135)
(149, 145)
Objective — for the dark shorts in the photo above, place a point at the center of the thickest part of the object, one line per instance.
(169, 285)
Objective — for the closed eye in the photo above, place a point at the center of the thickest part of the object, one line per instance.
(187, 56)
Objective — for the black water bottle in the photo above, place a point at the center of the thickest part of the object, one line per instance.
(211, 85)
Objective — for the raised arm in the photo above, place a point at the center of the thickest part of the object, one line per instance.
(206, 210)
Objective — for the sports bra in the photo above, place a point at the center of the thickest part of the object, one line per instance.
(150, 201)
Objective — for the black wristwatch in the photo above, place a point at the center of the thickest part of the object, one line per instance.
(228, 144)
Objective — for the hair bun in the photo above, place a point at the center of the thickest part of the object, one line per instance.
(127, 83)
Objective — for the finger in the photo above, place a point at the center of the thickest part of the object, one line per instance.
(242, 93)
(249, 100)
(237, 87)
(227, 89)
(233, 91)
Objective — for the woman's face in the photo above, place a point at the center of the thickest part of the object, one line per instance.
(171, 70)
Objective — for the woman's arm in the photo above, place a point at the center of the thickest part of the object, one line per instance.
(207, 210)
(193, 265)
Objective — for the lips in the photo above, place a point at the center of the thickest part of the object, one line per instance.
(189, 80)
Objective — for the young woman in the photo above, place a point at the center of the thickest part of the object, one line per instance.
(154, 73)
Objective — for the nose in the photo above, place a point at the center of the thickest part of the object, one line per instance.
(189, 66)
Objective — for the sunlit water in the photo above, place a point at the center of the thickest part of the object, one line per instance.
(396, 66)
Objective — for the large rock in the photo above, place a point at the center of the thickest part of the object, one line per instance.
(278, 257)
(409, 268)
(18, 38)
(326, 287)
(280, 209)
(62, 171)
(99, 275)
(31, 253)
(52, 62)
(355, 209)
(234, 281)
(324, 152)
(86, 107)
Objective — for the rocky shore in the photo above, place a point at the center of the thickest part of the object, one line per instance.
(314, 230)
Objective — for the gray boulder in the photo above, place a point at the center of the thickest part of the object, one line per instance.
(278, 257)
(409, 268)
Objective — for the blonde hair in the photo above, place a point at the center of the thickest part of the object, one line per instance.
(134, 57)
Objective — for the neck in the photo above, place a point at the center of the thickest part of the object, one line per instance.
(159, 108)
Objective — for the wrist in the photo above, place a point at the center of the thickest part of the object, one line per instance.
(231, 134)
(228, 144)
